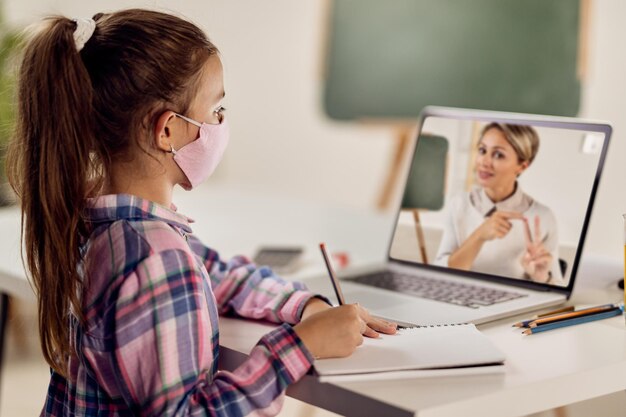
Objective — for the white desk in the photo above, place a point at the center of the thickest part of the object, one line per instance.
(543, 371)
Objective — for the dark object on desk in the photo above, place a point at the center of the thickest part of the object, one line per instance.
(283, 259)
(387, 60)
(621, 283)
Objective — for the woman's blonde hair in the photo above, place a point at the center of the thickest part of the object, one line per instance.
(524, 139)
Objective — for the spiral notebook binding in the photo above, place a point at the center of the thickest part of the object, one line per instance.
(427, 326)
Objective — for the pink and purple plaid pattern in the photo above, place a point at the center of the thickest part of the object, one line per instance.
(149, 346)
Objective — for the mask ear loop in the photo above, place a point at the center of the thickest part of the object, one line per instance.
(188, 120)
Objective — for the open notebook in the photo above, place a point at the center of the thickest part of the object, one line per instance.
(449, 349)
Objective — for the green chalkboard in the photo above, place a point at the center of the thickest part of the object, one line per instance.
(425, 186)
(389, 59)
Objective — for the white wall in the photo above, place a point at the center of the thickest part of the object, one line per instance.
(281, 141)
(280, 138)
(604, 97)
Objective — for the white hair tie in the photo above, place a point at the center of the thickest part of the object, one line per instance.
(83, 32)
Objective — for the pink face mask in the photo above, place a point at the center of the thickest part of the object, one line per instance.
(199, 158)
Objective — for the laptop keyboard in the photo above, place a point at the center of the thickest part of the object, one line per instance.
(467, 295)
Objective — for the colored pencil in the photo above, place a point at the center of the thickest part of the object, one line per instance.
(616, 311)
(551, 313)
(524, 323)
(575, 313)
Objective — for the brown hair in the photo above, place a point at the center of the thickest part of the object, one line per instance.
(524, 139)
(77, 112)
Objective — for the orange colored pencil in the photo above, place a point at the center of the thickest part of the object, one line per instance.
(526, 322)
(552, 313)
(577, 313)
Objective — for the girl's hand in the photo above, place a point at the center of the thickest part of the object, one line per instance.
(497, 225)
(536, 260)
(336, 332)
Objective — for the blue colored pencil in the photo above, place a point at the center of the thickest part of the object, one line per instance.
(577, 320)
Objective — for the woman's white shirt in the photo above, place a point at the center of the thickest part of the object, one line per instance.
(467, 211)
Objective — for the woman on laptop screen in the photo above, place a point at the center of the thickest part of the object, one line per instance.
(496, 228)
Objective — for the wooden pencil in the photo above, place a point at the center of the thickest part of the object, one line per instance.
(524, 323)
(571, 315)
(615, 311)
(551, 313)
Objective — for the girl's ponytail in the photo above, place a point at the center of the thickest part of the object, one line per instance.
(50, 165)
(78, 113)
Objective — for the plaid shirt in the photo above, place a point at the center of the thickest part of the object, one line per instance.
(150, 343)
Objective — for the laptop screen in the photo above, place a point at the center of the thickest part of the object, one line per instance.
(500, 195)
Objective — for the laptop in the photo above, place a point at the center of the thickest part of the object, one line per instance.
(482, 234)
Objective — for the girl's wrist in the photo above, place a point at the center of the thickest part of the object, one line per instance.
(314, 305)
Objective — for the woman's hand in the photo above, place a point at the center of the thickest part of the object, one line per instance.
(498, 225)
(536, 260)
(336, 332)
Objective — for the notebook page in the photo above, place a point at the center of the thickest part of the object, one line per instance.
(433, 347)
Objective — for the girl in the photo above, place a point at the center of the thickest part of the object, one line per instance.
(113, 113)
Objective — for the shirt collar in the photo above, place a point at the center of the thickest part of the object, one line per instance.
(112, 207)
(518, 201)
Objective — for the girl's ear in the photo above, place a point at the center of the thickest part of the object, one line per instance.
(164, 131)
